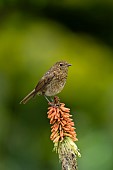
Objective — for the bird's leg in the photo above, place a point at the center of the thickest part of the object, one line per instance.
(50, 102)
(47, 99)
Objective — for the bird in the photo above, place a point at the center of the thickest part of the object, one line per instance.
(52, 82)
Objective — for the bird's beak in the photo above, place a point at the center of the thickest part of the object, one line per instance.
(69, 65)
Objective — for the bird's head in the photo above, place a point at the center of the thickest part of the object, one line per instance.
(63, 65)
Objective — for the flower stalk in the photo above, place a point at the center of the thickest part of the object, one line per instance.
(63, 134)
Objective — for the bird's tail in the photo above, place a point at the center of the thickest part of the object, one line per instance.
(28, 97)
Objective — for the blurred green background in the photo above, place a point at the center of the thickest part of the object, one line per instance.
(34, 35)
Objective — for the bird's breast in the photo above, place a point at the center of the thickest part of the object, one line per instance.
(55, 87)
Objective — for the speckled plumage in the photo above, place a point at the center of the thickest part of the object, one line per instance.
(52, 81)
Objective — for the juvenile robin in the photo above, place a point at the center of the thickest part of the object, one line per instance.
(52, 82)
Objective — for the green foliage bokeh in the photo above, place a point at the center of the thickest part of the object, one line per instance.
(32, 38)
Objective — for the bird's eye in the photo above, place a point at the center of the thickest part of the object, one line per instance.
(61, 64)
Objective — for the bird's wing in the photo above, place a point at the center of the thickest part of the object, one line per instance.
(46, 79)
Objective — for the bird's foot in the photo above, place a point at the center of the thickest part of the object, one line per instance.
(55, 102)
